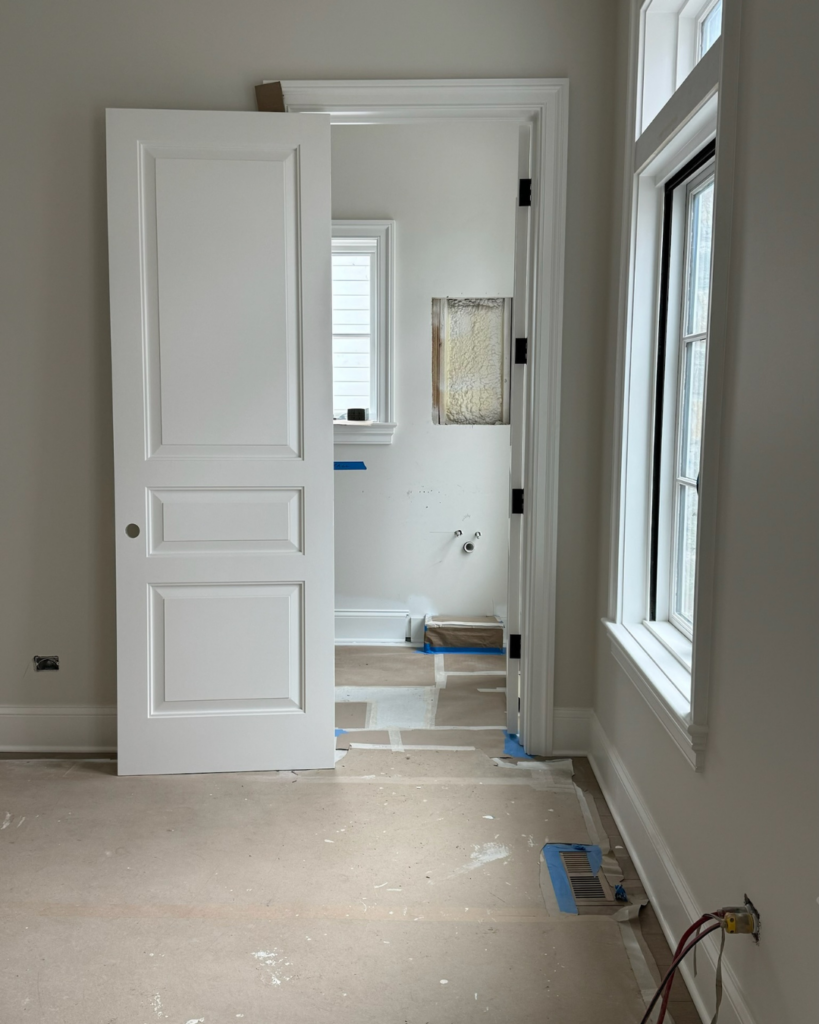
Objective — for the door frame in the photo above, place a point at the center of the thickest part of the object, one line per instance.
(540, 106)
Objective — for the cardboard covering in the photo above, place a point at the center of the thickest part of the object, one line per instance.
(445, 632)
(270, 98)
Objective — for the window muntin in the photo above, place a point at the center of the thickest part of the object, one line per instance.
(355, 299)
(710, 29)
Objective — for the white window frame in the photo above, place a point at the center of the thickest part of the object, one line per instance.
(670, 672)
(669, 50)
(696, 183)
(381, 428)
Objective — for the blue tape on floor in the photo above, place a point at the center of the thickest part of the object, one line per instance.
(349, 465)
(340, 732)
(462, 650)
(512, 748)
(557, 872)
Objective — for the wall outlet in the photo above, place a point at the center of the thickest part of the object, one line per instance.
(46, 663)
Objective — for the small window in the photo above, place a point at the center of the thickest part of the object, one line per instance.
(362, 277)
(682, 350)
(710, 29)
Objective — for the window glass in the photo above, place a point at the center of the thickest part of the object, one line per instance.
(692, 399)
(353, 281)
(698, 285)
(710, 28)
(686, 555)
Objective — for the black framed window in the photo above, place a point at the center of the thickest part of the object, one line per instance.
(681, 359)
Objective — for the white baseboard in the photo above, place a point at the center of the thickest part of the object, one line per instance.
(68, 728)
(371, 626)
(572, 732)
(668, 890)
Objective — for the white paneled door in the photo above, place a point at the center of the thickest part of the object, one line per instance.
(220, 242)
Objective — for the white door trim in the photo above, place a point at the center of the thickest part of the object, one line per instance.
(543, 104)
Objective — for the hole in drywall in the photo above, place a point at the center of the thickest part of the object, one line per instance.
(470, 361)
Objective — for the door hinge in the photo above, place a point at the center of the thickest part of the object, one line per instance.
(514, 646)
(525, 192)
(517, 501)
(518, 703)
(522, 350)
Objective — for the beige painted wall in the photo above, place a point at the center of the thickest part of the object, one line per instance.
(750, 821)
(61, 64)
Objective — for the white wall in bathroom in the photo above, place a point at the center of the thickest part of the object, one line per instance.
(451, 189)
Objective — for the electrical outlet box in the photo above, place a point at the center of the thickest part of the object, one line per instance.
(46, 663)
(752, 910)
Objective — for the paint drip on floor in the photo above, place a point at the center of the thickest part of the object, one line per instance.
(273, 959)
(485, 854)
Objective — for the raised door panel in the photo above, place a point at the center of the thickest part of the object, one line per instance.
(221, 648)
(222, 283)
(213, 520)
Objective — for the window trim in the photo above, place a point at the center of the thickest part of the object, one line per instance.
(381, 429)
(669, 51)
(652, 154)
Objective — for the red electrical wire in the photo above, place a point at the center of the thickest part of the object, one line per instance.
(695, 927)
(678, 959)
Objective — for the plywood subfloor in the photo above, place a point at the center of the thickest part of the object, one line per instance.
(403, 886)
(346, 896)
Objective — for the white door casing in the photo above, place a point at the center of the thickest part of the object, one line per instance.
(518, 418)
(219, 247)
(543, 106)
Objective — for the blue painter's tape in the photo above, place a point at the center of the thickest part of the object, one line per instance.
(512, 748)
(557, 872)
(428, 649)
(340, 732)
(349, 465)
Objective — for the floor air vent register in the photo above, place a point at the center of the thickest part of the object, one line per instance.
(588, 889)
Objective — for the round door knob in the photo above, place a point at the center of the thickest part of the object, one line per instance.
(132, 530)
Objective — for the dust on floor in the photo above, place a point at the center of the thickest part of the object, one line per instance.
(402, 887)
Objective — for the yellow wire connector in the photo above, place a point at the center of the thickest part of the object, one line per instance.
(740, 922)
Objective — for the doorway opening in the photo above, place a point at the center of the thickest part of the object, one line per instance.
(534, 111)
(425, 217)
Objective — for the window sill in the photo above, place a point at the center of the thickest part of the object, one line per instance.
(676, 643)
(362, 432)
(661, 681)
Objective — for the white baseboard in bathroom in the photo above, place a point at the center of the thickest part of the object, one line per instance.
(371, 626)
